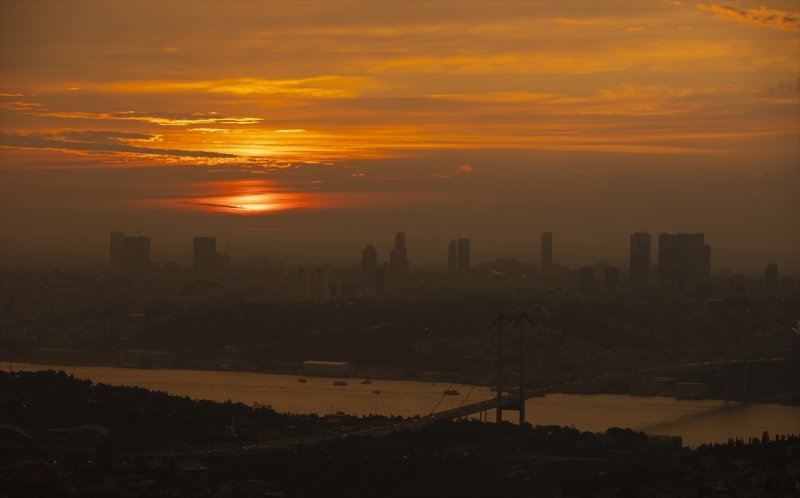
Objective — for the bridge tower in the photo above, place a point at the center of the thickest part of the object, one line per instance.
(511, 323)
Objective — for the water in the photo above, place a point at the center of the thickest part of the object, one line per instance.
(696, 421)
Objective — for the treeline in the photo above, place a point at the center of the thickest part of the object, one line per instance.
(137, 418)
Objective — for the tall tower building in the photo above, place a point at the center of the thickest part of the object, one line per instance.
(204, 254)
(398, 261)
(452, 257)
(463, 256)
(611, 277)
(136, 253)
(666, 258)
(369, 267)
(546, 251)
(640, 258)
(117, 242)
(683, 258)
(771, 276)
(586, 278)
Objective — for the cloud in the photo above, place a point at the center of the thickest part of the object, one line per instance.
(97, 141)
(20, 105)
(210, 130)
(212, 205)
(161, 119)
(92, 136)
(315, 87)
(465, 168)
(762, 16)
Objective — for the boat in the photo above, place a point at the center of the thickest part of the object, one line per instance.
(376, 391)
(451, 392)
(339, 383)
(301, 380)
(366, 381)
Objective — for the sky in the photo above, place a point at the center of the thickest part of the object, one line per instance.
(305, 130)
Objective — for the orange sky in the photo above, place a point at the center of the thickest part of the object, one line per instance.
(344, 122)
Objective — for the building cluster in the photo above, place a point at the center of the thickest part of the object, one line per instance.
(130, 253)
(683, 262)
(205, 255)
(458, 257)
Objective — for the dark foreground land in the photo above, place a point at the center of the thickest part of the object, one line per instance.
(60, 436)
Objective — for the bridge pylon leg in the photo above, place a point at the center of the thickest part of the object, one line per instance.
(517, 321)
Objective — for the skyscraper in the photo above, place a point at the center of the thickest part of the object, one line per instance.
(586, 278)
(463, 256)
(546, 251)
(683, 258)
(136, 253)
(640, 258)
(452, 257)
(398, 261)
(771, 276)
(369, 267)
(611, 277)
(204, 254)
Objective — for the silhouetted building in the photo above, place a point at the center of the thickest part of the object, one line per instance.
(683, 259)
(611, 277)
(398, 262)
(117, 244)
(452, 257)
(204, 253)
(546, 251)
(369, 267)
(463, 256)
(586, 278)
(640, 258)
(311, 283)
(381, 277)
(458, 257)
(771, 276)
(136, 253)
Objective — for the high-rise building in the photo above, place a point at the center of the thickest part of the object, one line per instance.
(452, 257)
(771, 276)
(369, 267)
(204, 254)
(640, 258)
(463, 256)
(546, 251)
(136, 253)
(311, 283)
(683, 258)
(116, 250)
(611, 277)
(586, 278)
(398, 261)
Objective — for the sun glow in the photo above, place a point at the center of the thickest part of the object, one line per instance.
(258, 203)
(247, 197)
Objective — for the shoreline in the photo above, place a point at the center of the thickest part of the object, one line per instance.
(791, 399)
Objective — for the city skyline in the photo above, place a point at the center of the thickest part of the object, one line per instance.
(681, 258)
(281, 126)
(639, 259)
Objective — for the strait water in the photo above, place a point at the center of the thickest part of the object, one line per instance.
(696, 421)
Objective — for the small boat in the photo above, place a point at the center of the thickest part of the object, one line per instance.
(301, 380)
(451, 392)
(376, 391)
(339, 383)
(366, 381)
